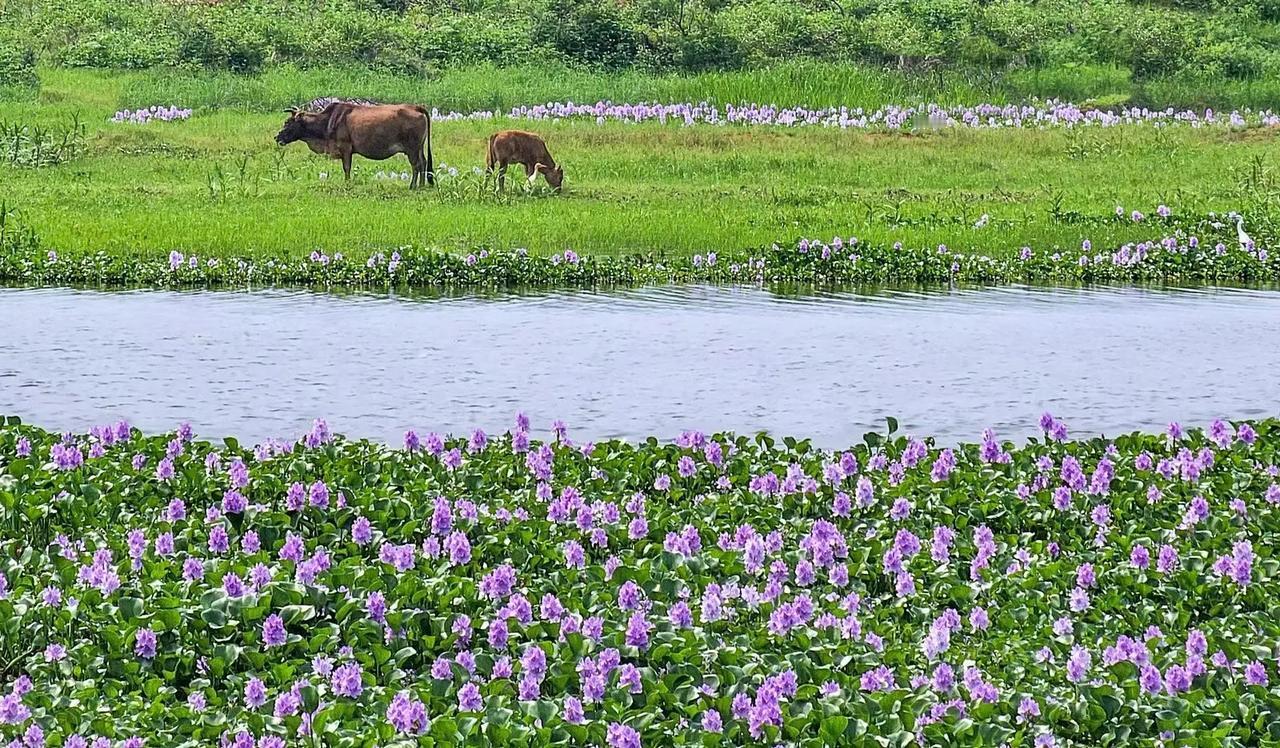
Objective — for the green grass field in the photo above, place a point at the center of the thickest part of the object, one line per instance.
(218, 184)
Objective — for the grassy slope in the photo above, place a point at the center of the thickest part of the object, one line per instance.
(179, 185)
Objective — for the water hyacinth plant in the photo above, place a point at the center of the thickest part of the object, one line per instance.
(154, 113)
(717, 590)
(1047, 114)
(1180, 253)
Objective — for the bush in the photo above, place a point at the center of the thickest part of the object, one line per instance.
(1160, 45)
(593, 32)
(18, 77)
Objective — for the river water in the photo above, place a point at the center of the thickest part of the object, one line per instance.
(650, 361)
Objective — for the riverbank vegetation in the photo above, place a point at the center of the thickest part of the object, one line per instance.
(495, 590)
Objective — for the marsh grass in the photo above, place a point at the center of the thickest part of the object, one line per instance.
(218, 185)
(800, 83)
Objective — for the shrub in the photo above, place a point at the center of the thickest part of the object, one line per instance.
(18, 77)
(593, 32)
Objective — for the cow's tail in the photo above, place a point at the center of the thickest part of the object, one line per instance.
(431, 165)
(430, 162)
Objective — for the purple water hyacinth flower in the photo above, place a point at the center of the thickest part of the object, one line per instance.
(1028, 709)
(1140, 557)
(498, 633)
(638, 630)
(573, 713)
(1149, 679)
(255, 693)
(469, 699)
(1255, 674)
(192, 569)
(1078, 664)
(273, 631)
(943, 537)
(347, 680)
(530, 688)
(250, 542)
(498, 583)
(680, 615)
(318, 494)
(459, 548)
(865, 492)
(233, 585)
(260, 576)
(319, 434)
(942, 466)
(144, 644)
(619, 735)
(878, 679)
(1221, 433)
(362, 531)
(442, 669)
(295, 497)
(574, 555)
(1177, 680)
(219, 541)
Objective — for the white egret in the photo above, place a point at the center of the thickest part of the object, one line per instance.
(1245, 240)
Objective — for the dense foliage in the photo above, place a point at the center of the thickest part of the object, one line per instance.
(1207, 38)
(718, 590)
(18, 79)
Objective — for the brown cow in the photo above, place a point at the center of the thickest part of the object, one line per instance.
(525, 148)
(378, 132)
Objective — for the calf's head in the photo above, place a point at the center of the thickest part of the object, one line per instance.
(554, 174)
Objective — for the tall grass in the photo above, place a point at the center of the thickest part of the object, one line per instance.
(800, 83)
(487, 87)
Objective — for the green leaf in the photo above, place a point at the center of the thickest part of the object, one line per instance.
(833, 728)
(214, 617)
(130, 608)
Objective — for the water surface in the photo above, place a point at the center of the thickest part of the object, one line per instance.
(650, 361)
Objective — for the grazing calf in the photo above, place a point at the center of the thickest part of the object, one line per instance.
(343, 129)
(524, 148)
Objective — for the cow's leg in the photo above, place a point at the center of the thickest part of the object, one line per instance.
(418, 168)
(346, 163)
(502, 176)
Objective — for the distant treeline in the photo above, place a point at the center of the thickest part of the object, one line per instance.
(1210, 39)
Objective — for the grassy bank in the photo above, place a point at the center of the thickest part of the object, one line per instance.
(217, 185)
